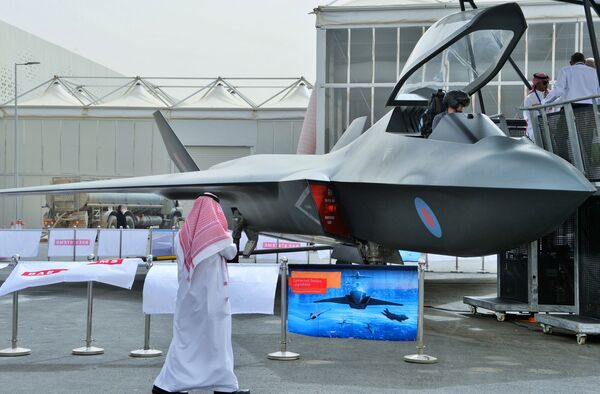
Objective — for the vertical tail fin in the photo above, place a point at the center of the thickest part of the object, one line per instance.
(177, 152)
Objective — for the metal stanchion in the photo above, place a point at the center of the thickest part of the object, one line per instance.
(74, 243)
(483, 271)
(120, 241)
(456, 270)
(146, 352)
(427, 269)
(420, 357)
(283, 354)
(88, 349)
(14, 350)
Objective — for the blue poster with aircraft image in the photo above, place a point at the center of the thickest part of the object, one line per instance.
(354, 301)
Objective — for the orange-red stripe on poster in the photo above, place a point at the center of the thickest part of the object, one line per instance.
(334, 279)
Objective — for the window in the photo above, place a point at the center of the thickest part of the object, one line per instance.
(361, 55)
(336, 56)
(386, 51)
(335, 115)
(539, 44)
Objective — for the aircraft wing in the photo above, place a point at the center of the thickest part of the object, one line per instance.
(375, 301)
(337, 300)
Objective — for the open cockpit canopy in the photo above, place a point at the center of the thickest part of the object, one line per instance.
(464, 51)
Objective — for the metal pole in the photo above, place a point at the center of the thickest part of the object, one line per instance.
(427, 269)
(283, 354)
(16, 150)
(456, 270)
(120, 241)
(420, 357)
(146, 352)
(88, 349)
(74, 243)
(14, 350)
(483, 271)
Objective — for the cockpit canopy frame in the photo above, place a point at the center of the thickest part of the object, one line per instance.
(505, 18)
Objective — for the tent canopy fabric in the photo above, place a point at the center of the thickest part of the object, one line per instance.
(217, 97)
(297, 97)
(54, 95)
(136, 96)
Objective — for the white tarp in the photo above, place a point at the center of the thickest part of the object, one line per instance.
(25, 243)
(133, 243)
(367, 13)
(251, 288)
(117, 272)
(69, 242)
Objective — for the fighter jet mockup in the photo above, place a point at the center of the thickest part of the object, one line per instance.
(357, 299)
(392, 316)
(467, 190)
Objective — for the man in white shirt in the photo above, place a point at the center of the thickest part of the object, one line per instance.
(538, 93)
(575, 81)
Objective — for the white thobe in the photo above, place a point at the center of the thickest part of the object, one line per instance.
(574, 82)
(533, 98)
(200, 356)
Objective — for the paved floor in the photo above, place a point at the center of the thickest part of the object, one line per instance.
(477, 354)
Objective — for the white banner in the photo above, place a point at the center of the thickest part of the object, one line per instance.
(160, 289)
(133, 243)
(25, 243)
(265, 242)
(251, 288)
(63, 242)
(117, 272)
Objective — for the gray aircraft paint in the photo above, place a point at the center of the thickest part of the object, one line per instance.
(471, 195)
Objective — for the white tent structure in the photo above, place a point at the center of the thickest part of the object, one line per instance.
(362, 46)
(103, 127)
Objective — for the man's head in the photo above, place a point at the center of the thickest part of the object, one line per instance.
(456, 101)
(590, 62)
(540, 81)
(577, 57)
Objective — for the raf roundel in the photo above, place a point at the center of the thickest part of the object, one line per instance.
(428, 218)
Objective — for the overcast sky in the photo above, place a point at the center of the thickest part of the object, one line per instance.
(178, 37)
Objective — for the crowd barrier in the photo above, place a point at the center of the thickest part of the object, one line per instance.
(252, 285)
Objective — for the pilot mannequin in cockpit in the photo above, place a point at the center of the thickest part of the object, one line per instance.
(454, 101)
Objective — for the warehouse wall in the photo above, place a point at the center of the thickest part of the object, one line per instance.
(108, 148)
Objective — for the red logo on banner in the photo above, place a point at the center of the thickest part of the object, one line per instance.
(72, 242)
(308, 285)
(44, 272)
(108, 262)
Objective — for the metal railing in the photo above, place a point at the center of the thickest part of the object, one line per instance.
(571, 131)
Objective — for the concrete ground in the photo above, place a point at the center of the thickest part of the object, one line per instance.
(476, 353)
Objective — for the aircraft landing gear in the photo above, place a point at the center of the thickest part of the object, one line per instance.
(376, 254)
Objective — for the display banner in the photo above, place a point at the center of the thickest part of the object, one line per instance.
(162, 243)
(25, 243)
(132, 242)
(251, 288)
(265, 242)
(354, 301)
(116, 272)
(160, 289)
(62, 242)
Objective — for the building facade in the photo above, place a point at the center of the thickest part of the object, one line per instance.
(362, 47)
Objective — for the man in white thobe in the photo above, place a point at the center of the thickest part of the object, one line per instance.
(200, 356)
(535, 97)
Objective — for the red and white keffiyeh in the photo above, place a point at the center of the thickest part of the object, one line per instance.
(204, 226)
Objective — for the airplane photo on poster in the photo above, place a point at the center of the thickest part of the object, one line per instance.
(374, 302)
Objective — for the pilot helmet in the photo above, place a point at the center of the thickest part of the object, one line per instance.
(454, 98)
